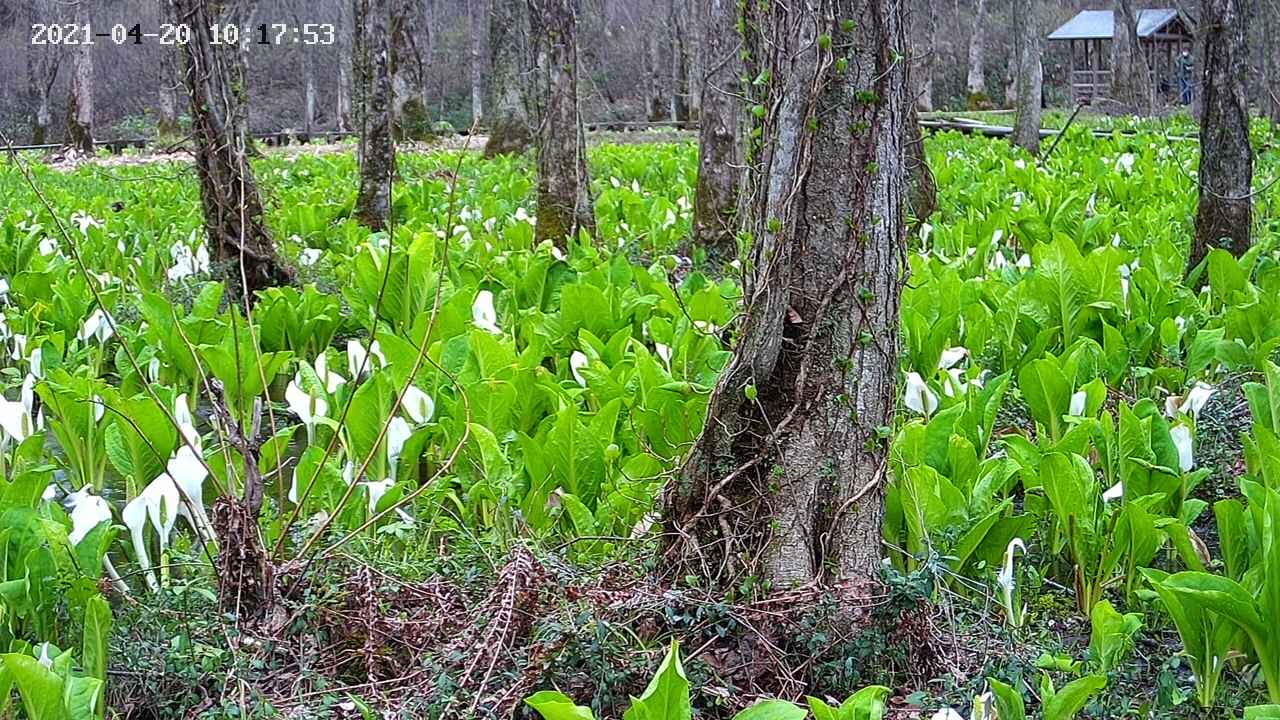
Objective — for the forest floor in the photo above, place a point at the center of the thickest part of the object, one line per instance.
(449, 143)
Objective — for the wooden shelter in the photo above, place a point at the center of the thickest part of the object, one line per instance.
(1162, 35)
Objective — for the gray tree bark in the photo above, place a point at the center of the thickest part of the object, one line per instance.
(1029, 76)
(653, 78)
(679, 61)
(169, 81)
(408, 110)
(511, 69)
(976, 82)
(565, 205)
(1271, 60)
(374, 95)
(719, 149)
(80, 102)
(345, 51)
(233, 215)
(1130, 78)
(476, 13)
(925, 55)
(1224, 214)
(786, 482)
(42, 63)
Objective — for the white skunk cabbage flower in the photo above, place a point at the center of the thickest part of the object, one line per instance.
(187, 263)
(1078, 401)
(186, 423)
(376, 491)
(88, 511)
(1193, 402)
(952, 356)
(98, 327)
(398, 432)
(307, 407)
(16, 419)
(523, 215)
(1024, 262)
(577, 361)
(918, 397)
(157, 503)
(483, 313)
(1181, 436)
(417, 405)
(1008, 583)
(4, 289)
(44, 658)
(1115, 492)
(664, 352)
(331, 380)
(309, 256)
(946, 714)
(153, 369)
(48, 246)
(36, 362)
(188, 471)
(358, 357)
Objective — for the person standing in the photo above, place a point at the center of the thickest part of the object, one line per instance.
(1185, 67)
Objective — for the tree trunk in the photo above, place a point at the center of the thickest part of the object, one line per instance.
(926, 56)
(167, 98)
(1271, 61)
(679, 63)
(1029, 76)
(564, 184)
(1224, 215)
(42, 71)
(408, 111)
(923, 197)
(510, 64)
(719, 157)
(657, 109)
(1130, 78)
(373, 111)
(976, 83)
(786, 483)
(80, 102)
(345, 51)
(475, 19)
(233, 214)
(308, 92)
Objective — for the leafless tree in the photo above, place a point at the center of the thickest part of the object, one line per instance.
(564, 183)
(476, 13)
(42, 63)
(719, 147)
(373, 110)
(168, 82)
(787, 480)
(214, 78)
(976, 83)
(80, 103)
(1029, 75)
(1130, 77)
(1224, 213)
(511, 66)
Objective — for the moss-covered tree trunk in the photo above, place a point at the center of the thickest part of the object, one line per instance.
(564, 183)
(719, 146)
(787, 481)
(408, 107)
(1224, 213)
(1028, 75)
(923, 196)
(510, 71)
(373, 111)
(233, 216)
(80, 101)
